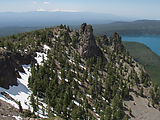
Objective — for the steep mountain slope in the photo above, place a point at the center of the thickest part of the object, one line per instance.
(78, 75)
(146, 57)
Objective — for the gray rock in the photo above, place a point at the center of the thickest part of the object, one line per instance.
(87, 44)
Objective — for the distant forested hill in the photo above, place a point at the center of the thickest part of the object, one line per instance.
(134, 28)
(4, 31)
(146, 57)
(140, 27)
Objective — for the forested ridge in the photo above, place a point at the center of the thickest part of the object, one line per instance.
(83, 77)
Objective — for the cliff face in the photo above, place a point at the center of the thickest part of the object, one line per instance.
(8, 74)
(10, 64)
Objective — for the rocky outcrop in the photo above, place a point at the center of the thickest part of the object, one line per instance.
(8, 74)
(115, 42)
(115, 39)
(10, 64)
(103, 40)
(87, 44)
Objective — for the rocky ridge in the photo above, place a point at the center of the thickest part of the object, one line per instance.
(94, 71)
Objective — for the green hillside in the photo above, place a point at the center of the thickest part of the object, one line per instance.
(5, 31)
(135, 28)
(146, 57)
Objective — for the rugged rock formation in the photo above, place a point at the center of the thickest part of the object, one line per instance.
(8, 74)
(87, 45)
(10, 64)
(115, 42)
(104, 40)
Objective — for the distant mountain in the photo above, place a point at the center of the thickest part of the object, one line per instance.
(139, 27)
(55, 18)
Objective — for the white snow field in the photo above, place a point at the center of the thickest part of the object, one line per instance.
(21, 92)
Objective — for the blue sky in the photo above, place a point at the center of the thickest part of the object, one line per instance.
(129, 8)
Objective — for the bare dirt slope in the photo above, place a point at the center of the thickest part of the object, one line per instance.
(141, 110)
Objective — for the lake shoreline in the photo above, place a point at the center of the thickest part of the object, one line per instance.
(152, 42)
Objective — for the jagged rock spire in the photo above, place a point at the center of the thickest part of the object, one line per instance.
(115, 38)
(87, 46)
(116, 42)
(82, 28)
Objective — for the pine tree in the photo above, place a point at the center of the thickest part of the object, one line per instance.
(141, 92)
(125, 117)
(108, 113)
(20, 107)
(33, 103)
(130, 112)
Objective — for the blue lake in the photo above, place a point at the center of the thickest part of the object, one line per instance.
(152, 42)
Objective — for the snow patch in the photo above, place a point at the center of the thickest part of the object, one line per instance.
(40, 56)
(82, 67)
(105, 100)
(56, 36)
(25, 50)
(68, 56)
(66, 79)
(97, 116)
(94, 109)
(73, 71)
(77, 81)
(17, 117)
(72, 62)
(88, 95)
(46, 48)
(75, 102)
(59, 77)
(21, 92)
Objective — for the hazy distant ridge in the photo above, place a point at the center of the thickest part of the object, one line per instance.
(55, 18)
